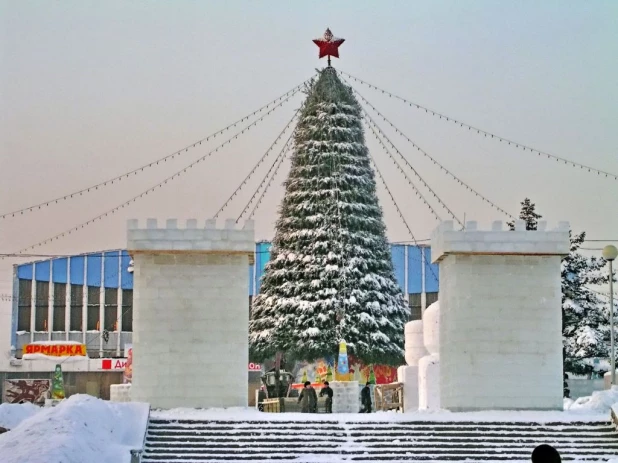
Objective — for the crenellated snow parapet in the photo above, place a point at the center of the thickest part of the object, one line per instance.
(499, 241)
(500, 317)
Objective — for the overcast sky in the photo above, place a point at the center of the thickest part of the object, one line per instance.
(92, 89)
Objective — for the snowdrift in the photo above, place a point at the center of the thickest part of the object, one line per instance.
(599, 401)
(13, 414)
(80, 429)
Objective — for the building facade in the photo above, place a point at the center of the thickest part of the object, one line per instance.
(88, 299)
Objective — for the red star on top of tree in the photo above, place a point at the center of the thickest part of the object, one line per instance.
(329, 45)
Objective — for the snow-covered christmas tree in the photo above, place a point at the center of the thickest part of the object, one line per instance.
(330, 277)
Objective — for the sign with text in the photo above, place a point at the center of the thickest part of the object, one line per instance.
(255, 367)
(56, 350)
(113, 364)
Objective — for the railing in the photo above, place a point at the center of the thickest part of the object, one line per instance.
(389, 397)
(614, 415)
(136, 454)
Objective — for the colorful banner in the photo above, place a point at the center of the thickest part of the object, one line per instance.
(127, 377)
(322, 370)
(56, 350)
(17, 391)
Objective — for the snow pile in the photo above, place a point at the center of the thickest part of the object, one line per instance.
(81, 428)
(13, 414)
(599, 401)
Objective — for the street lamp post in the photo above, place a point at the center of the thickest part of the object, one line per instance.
(609, 254)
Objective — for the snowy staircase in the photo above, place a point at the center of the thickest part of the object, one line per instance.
(329, 440)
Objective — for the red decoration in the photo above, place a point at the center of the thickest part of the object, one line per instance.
(329, 45)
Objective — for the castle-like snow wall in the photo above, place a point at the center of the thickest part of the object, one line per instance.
(500, 316)
(190, 325)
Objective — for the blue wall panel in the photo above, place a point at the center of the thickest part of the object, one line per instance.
(93, 275)
(126, 278)
(59, 270)
(77, 270)
(415, 267)
(112, 274)
(41, 270)
(24, 272)
(262, 256)
(431, 273)
(398, 256)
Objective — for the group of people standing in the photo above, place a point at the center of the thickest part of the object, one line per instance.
(308, 398)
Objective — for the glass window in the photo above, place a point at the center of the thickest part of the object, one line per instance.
(416, 307)
(42, 306)
(60, 292)
(127, 310)
(77, 300)
(111, 309)
(93, 322)
(431, 298)
(24, 305)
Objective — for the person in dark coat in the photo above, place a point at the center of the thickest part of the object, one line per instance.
(366, 399)
(326, 390)
(546, 454)
(308, 399)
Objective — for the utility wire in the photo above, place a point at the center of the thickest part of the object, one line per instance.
(154, 187)
(434, 161)
(150, 164)
(484, 132)
(377, 127)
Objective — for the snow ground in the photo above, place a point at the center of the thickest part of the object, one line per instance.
(13, 414)
(80, 429)
(244, 414)
(83, 428)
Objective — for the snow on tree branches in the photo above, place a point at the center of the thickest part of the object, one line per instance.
(330, 276)
(585, 314)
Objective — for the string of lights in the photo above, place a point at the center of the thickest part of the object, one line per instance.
(169, 157)
(280, 156)
(383, 135)
(265, 190)
(417, 192)
(487, 134)
(152, 188)
(255, 167)
(401, 216)
(434, 161)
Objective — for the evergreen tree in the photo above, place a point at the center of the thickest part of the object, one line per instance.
(330, 277)
(585, 316)
(527, 214)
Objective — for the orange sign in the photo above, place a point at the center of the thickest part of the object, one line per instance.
(56, 350)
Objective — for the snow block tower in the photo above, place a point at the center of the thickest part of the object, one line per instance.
(190, 325)
(429, 366)
(500, 316)
(408, 374)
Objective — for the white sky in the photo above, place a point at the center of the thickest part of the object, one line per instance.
(93, 89)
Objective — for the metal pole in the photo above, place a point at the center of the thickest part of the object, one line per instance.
(611, 318)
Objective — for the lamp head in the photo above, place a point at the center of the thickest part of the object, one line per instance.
(610, 252)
